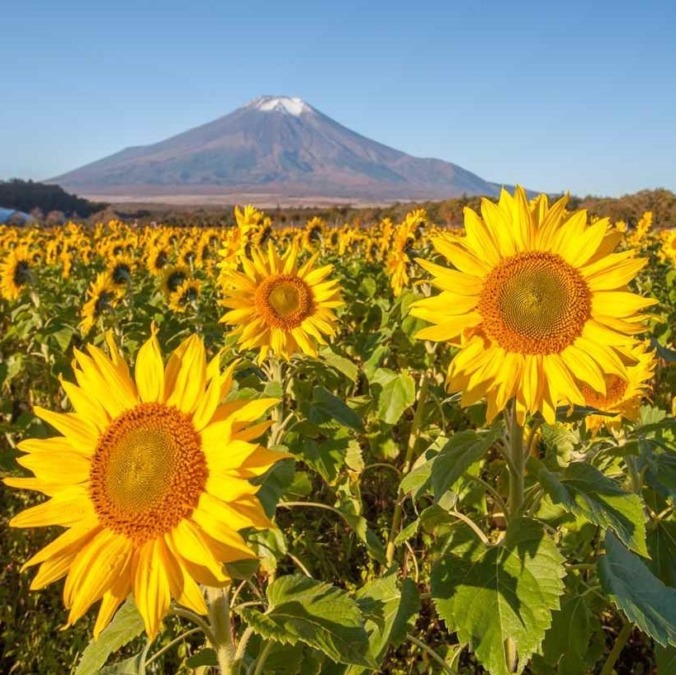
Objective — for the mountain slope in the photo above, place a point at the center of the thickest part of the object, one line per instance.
(274, 146)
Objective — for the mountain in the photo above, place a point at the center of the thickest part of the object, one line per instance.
(275, 149)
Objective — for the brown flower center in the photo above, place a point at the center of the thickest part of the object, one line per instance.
(284, 301)
(616, 388)
(148, 471)
(534, 303)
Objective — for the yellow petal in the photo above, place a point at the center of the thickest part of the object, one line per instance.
(149, 372)
(190, 378)
(68, 508)
(81, 436)
(94, 571)
(152, 594)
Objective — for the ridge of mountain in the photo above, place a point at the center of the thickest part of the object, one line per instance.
(273, 147)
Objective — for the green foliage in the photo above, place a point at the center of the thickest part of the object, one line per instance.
(125, 626)
(315, 613)
(505, 592)
(643, 598)
(585, 491)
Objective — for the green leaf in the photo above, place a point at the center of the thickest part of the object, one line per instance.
(204, 657)
(341, 364)
(666, 660)
(506, 591)
(361, 528)
(662, 547)
(389, 610)
(644, 599)
(125, 626)
(315, 613)
(326, 456)
(566, 643)
(585, 491)
(396, 394)
(274, 483)
(130, 666)
(329, 408)
(461, 451)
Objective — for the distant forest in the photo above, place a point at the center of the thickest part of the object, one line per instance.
(27, 196)
(449, 212)
(41, 200)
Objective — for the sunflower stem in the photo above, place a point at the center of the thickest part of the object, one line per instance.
(620, 642)
(219, 618)
(276, 374)
(516, 461)
(408, 462)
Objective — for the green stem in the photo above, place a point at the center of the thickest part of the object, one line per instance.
(241, 647)
(615, 652)
(516, 463)
(263, 657)
(408, 462)
(431, 653)
(276, 374)
(219, 618)
(172, 644)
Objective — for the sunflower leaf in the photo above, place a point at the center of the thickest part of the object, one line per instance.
(461, 451)
(389, 608)
(644, 599)
(395, 393)
(508, 591)
(584, 491)
(320, 615)
(326, 407)
(125, 626)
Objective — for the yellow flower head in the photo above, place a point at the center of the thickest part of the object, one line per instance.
(185, 295)
(622, 396)
(150, 478)
(103, 294)
(278, 305)
(15, 273)
(537, 302)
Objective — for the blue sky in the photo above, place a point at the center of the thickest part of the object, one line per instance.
(576, 96)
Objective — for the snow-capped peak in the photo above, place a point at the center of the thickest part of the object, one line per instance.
(287, 104)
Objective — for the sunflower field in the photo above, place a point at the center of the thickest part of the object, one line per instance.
(394, 448)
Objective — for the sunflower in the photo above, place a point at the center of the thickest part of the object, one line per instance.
(158, 258)
(103, 295)
(279, 306)
(120, 270)
(150, 478)
(173, 277)
(538, 304)
(186, 294)
(15, 273)
(622, 396)
(313, 233)
(667, 251)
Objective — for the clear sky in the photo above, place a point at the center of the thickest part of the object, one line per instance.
(573, 95)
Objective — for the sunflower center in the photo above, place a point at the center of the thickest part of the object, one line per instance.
(284, 301)
(616, 388)
(148, 471)
(535, 303)
(21, 273)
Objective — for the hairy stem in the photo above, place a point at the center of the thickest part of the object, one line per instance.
(219, 618)
(408, 462)
(615, 652)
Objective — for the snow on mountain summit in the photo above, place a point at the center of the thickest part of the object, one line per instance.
(288, 104)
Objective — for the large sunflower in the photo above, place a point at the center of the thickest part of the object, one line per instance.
(538, 304)
(279, 306)
(150, 478)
